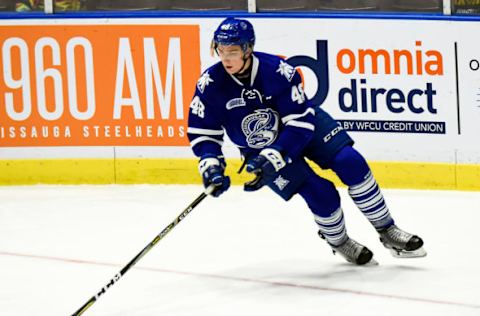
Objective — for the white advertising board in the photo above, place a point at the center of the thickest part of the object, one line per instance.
(407, 90)
(392, 83)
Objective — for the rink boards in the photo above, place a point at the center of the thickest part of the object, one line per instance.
(106, 100)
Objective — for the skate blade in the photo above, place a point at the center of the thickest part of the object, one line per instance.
(419, 253)
(372, 262)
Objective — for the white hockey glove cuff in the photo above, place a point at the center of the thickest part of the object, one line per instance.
(274, 157)
(206, 163)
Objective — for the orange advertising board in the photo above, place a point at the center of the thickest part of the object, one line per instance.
(97, 85)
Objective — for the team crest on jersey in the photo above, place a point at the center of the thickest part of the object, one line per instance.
(260, 128)
(204, 81)
(286, 70)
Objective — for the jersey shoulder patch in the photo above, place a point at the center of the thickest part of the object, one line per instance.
(204, 81)
(286, 70)
(210, 76)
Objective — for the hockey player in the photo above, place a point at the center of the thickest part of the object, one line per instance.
(258, 100)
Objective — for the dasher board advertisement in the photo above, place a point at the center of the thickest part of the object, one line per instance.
(407, 90)
(91, 85)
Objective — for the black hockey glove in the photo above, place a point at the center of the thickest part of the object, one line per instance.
(212, 170)
(265, 166)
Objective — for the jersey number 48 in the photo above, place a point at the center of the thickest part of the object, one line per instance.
(298, 95)
(197, 107)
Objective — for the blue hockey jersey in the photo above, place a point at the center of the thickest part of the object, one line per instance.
(270, 111)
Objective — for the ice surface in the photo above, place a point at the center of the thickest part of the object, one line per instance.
(241, 254)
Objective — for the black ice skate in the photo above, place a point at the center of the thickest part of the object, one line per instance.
(353, 252)
(401, 243)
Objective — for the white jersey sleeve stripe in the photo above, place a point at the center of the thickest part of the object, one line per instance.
(203, 131)
(301, 125)
(290, 117)
(205, 139)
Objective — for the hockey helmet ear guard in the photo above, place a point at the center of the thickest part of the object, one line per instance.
(234, 32)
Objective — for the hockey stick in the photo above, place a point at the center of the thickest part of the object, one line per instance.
(145, 250)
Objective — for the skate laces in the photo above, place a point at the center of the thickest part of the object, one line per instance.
(396, 236)
(349, 248)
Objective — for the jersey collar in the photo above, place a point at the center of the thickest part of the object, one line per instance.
(253, 75)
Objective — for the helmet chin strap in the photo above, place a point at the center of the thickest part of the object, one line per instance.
(244, 66)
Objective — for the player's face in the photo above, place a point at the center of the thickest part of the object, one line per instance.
(231, 57)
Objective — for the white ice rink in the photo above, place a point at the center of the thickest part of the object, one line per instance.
(241, 254)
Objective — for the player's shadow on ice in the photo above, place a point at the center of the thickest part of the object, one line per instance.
(348, 276)
(347, 270)
(330, 275)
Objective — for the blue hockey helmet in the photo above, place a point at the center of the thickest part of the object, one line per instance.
(234, 32)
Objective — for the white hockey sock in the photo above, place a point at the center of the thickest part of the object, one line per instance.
(369, 199)
(333, 227)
